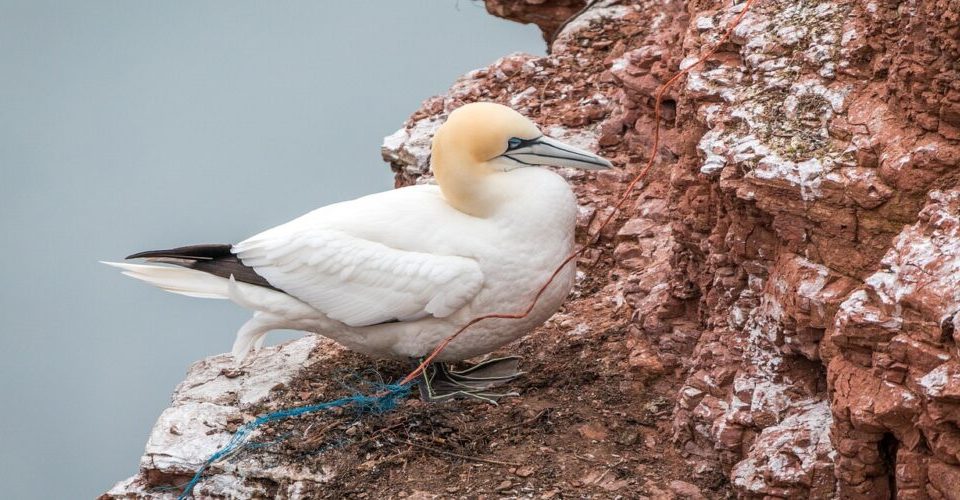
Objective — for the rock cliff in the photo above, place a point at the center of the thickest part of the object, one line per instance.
(774, 313)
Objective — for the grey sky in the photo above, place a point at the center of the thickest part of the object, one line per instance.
(131, 125)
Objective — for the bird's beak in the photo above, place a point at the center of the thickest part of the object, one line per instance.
(548, 151)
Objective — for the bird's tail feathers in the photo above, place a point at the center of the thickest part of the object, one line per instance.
(180, 280)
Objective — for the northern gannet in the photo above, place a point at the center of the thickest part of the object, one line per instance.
(392, 274)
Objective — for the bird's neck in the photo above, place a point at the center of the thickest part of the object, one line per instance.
(466, 184)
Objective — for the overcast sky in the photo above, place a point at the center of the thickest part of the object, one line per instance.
(128, 125)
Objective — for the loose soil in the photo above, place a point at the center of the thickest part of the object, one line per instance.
(582, 426)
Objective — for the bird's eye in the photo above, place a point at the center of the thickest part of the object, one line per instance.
(513, 143)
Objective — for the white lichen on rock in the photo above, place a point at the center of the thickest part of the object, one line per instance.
(206, 409)
(790, 454)
(773, 127)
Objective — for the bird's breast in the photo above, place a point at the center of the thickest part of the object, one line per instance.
(535, 234)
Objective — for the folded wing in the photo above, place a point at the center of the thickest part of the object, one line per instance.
(361, 282)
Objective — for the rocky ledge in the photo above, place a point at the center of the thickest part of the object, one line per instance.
(780, 297)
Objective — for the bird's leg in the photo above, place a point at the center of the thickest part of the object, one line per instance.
(258, 344)
(250, 337)
(439, 383)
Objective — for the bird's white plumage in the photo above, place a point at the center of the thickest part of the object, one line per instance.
(394, 273)
(361, 280)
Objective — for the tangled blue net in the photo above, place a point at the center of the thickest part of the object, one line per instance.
(387, 399)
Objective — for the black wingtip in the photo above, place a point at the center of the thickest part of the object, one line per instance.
(192, 252)
(170, 254)
(138, 255)
(217, 260)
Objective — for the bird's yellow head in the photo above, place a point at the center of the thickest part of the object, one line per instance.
(484, 138)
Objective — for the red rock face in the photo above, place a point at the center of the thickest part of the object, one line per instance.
(896, 384)
(548, 15)
(790, 268)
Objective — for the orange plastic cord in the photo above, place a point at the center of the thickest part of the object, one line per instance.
(626, 194)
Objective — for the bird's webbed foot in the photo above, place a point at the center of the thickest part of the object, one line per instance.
(439, 382)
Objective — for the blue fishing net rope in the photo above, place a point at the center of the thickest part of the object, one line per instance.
(388, 400)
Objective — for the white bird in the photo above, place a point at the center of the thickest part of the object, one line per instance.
(393, 274)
